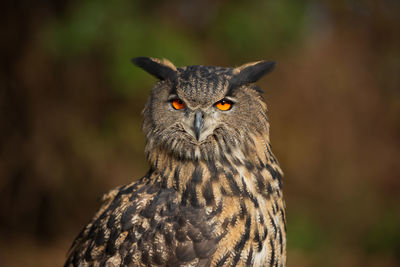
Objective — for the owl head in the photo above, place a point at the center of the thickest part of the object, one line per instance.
(203, 112)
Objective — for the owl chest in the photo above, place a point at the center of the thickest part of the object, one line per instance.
(253, 229)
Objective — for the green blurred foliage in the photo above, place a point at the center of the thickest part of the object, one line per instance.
(306, 233)
(259, 27)
(117, 30)
(384, 235)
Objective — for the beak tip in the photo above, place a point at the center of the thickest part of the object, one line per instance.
(198, 124)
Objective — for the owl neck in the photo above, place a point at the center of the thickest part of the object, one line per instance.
(243, 172)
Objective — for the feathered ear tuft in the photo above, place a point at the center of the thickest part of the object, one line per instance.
(162, 69)
(250, 73)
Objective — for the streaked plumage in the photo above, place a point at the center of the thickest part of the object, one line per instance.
(213, 194)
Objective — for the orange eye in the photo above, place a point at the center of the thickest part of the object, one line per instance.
(224, 105)
(178, 104)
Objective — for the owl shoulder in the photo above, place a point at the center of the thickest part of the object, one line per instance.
(142, 222)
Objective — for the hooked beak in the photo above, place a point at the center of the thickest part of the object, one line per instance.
(198, 123)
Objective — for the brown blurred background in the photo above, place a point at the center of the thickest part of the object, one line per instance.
(70, 122)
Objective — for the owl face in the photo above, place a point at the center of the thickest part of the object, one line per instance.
(203, 112)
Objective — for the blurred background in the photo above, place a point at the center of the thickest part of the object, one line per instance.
(70, 114)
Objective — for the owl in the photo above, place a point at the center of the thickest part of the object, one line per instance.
(213, 193)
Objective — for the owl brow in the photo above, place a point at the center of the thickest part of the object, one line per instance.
(172, 97)
(233, 85)
(232, 90)
(230, 98)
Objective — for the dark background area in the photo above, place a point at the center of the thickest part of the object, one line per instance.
(70, 114)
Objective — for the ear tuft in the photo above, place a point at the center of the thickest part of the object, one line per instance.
(162, 69)
(250, 73)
